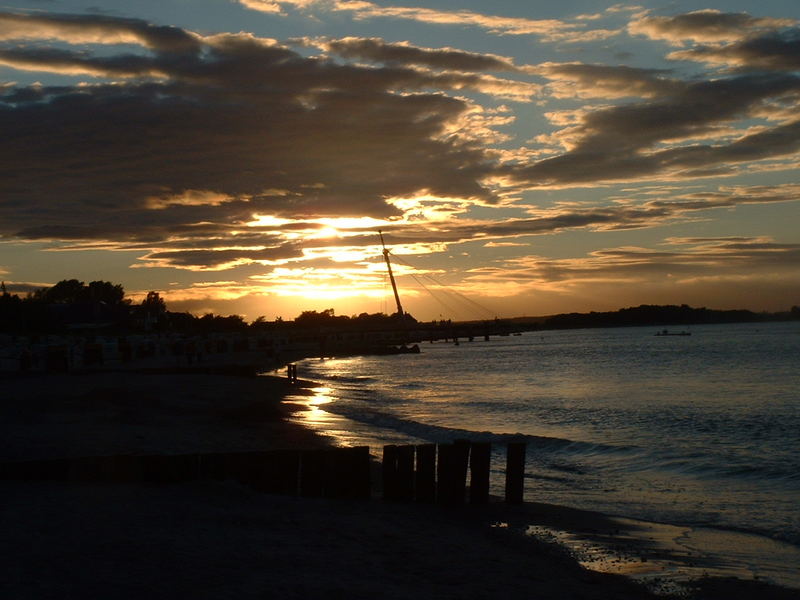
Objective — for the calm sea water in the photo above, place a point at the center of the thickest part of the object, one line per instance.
(697, 430)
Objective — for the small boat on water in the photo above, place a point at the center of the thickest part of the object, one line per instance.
(667, 332)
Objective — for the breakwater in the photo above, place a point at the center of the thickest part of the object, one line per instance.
(447, 474)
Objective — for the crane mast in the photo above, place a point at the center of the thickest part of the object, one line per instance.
(391, 276)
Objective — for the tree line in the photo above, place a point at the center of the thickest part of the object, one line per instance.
(659, 315)
(72, 305)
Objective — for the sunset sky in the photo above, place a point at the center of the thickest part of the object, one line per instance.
(521, 158)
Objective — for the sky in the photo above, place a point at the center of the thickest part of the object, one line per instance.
(520, 158)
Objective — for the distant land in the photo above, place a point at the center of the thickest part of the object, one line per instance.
(71, 306)
(655, 315)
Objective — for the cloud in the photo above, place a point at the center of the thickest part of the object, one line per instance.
(403, 53)
(779, 51)
(707, 25)
(188, 148)
(583, 80)
(750, 259)
(96, 29)
(221, 258)
(553, 30)
(65, 62)
(625, 213)
(244, 126)
(23, 288)
(644, 140)
(504, 245)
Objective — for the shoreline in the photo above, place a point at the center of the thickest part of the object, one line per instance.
(668, 555)
(212, 538)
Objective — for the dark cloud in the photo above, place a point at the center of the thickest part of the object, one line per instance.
(65, 61)
(23, 288)
(267, 130)
(778, 51)
(175, 149)
(607, 81)
(211, 247)
(220, 258)
(380, 51)
(704, 26)
(622, 142)
(96, 29)
(717, 260)
(658, 211)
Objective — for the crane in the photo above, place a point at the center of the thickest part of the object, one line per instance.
(391, 276)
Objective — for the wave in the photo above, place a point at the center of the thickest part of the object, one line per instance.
(541, 448)
(350, 379)
(774, 472)
(443, 434)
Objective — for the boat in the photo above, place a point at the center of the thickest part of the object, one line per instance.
(664, 332)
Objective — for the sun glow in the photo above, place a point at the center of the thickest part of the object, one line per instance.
(342, 254)
(325, 284)
(344, 223)
(267, 221)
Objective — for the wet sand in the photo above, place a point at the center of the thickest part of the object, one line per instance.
(221, 539)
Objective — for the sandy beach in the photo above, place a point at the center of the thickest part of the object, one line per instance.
(211, 539)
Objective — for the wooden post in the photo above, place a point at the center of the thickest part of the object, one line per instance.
(312, 467)
(274, 471)
(405, 473)
(444, 474)
(215, 466)
(389, 470)
(425, 476)
(359, 466)
(151, 469)
(237, 467)
(452, 472)
(128, 468)
(515, 473)
(461, 466)
(334, 476)
(479, 463)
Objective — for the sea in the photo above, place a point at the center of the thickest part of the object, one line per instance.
(699, 430)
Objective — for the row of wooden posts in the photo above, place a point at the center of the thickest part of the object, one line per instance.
(423, 473)
(438, 473)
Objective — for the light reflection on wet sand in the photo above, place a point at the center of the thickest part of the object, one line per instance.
(667, 558)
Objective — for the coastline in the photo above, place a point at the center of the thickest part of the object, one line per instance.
(213, 539)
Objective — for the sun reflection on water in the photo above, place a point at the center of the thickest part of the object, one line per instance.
(314, 414)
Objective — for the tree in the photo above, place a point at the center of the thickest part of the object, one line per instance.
(106, 292)
(66, 291)
(72, 291)
(314, 318)
(154, 304)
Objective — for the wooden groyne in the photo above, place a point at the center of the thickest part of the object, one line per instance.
(446, 474)
(449, 474)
